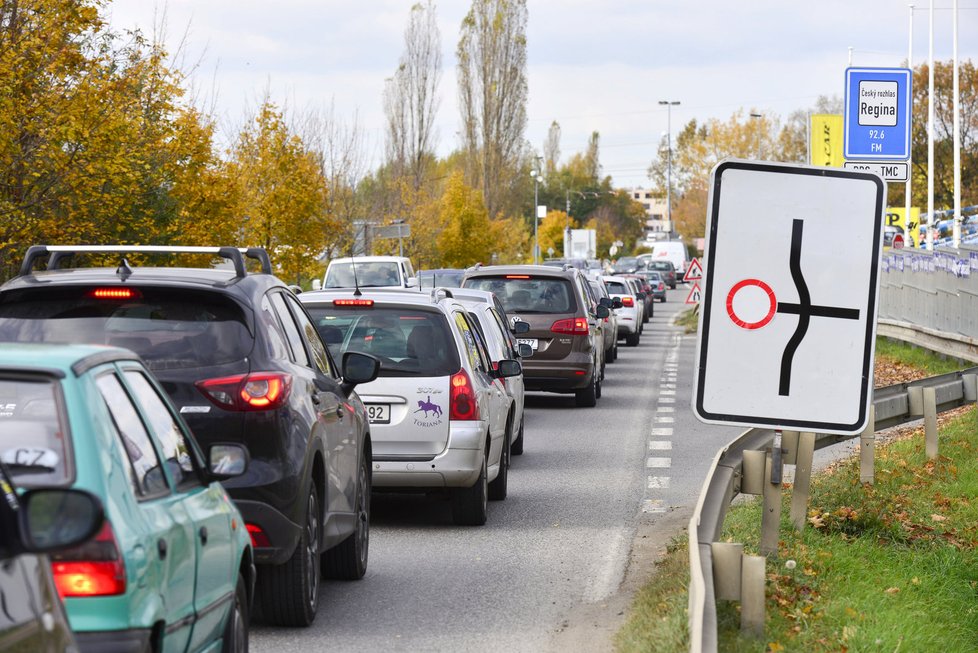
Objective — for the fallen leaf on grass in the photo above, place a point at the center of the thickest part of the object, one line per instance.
(936, 517)
(893, 590)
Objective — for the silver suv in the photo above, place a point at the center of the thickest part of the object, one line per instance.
(439, 414)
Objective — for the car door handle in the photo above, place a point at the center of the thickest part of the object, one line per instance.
(203, 535)
(161, 547)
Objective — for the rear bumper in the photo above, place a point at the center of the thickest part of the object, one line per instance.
(458, 465)
(566, 377)
(282, 532)
(627, 325)
(114, 641)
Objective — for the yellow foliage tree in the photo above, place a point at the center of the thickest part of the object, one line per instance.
(466, 236)
(551, 232)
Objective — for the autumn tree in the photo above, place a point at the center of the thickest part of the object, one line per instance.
(551, 232)
(465, 237)
(492, 91)
(551, 150)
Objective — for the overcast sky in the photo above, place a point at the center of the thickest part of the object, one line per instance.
(593, 65)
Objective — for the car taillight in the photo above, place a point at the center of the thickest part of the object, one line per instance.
(662, 286)
(95, 568)
(462, 402)
(258, 536)
(574, 326)
(255, 391)
(118, 293)
(353, 302)
(628, 301)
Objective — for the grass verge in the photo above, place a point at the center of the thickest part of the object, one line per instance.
(887, 567)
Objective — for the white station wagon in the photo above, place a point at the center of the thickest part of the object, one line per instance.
(439, 412)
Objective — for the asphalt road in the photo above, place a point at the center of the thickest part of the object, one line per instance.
(590, 481)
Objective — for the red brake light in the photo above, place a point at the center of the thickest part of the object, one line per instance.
(575, 326)
(517, 276)
(258, 536)
(114, 293)
(256, 391)
(462, 403)
(95, 568)
(628, 301)
(353, 302)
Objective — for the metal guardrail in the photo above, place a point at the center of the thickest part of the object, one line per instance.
(892, 405)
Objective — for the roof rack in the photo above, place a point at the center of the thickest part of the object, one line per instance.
(57, 253)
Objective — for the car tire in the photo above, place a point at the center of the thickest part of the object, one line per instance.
(517, 447)
(632, 339)
(587, 397)
(348, 559)
(614, 352)
(469, 504)
(289, 593)
(235, 638)
(497, 488)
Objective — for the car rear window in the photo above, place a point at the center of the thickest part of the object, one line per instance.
(408, 341)
(382, 273)
(617, 288)
(529, 294)
(33, 433)
(169, 328)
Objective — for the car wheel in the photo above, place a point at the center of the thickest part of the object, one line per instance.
(497, 488)
(290, 592)
(517, 447)
(235, 639)
(587, 397)
(348, 559)
(632, 339)
(469, 504)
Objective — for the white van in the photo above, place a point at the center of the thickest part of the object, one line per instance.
(370, 272)
(672, 250)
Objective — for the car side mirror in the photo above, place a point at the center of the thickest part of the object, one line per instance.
(519, 326)
(358, 368)
(640, 295)
(317, 284)
(295, 288)
(412, 282)
(226, 460)
(52, 519)
(616, 302)
(606, 301)
(602, 312)
(524, 350)
(507, 368)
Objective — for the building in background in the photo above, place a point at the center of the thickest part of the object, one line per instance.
(657, 225)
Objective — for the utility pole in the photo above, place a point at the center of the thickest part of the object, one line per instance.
(669, 104)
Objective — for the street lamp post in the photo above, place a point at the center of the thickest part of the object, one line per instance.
(536, 215)
(760, 151)
(669, 104)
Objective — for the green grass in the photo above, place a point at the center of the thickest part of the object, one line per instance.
(689, 319)
(924, 359)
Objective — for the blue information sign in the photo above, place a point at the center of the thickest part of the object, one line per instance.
(877, 114)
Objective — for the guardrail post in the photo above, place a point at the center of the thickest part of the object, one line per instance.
(801, 490)
(727, 569)
(930, 422)
(753, 478)
(752, 599)
(915, 400)
(789, 444)
(970, 382)
(867, 450)
(771, 517)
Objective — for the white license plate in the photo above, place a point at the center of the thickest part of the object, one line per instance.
(533, 342)
(379, 413)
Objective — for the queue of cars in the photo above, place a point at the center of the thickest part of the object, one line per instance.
(227, 462)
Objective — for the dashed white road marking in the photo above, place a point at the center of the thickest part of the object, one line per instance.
(665, 409)
(654, 505)
(662, 432)
(660, 445)
(665, 420)
(658, 463)
(658, 483)
(667, 400)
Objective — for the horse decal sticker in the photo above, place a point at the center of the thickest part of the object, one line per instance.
(428, 407)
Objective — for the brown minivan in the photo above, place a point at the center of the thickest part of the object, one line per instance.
(563, 319)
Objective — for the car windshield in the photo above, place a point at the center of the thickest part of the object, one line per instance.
(33, 438)
(408, 341)
(169, 328)
(440, 278)
(527, 294)
(367, 274)
(617, 288)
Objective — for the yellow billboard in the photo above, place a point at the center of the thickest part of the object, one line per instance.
(825, 146)
(897, 217)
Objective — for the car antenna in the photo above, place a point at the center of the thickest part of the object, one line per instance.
(356, 283)
(124, 270)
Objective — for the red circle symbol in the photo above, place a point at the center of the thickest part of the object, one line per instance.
(772, 308)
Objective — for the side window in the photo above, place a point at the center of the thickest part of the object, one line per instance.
(510, 343)
(471, 349)
(291, 329)
(274, 335)
(316, 346)
(146, 471)
(482, 348)
(177, 452)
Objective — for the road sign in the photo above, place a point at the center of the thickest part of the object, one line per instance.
(897, 241)
(398, 230)
(888, 170)
(694, 294)
(788, 317)
(877, 113)
(694, 272)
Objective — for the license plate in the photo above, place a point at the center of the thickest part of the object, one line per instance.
(533, 342)
(379, 413)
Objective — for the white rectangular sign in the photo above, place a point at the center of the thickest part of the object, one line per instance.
(888, 170)
(788, 315)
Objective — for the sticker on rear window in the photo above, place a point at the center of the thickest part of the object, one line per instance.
(40, 458)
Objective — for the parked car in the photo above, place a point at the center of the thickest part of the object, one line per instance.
(440, 416)
(241, 360)
(657, 286)
(665, 268)
(497, 331)
(37, 522)
(555, 302)
(610, 331)
(370, 272)
(630, 313)
(445, 278)
(93, 418)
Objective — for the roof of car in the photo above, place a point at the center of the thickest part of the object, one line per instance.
(537, 270)
(428, 297)
(57, 359)
(161, 276)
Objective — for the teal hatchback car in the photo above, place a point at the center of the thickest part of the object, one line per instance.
(171, 568)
